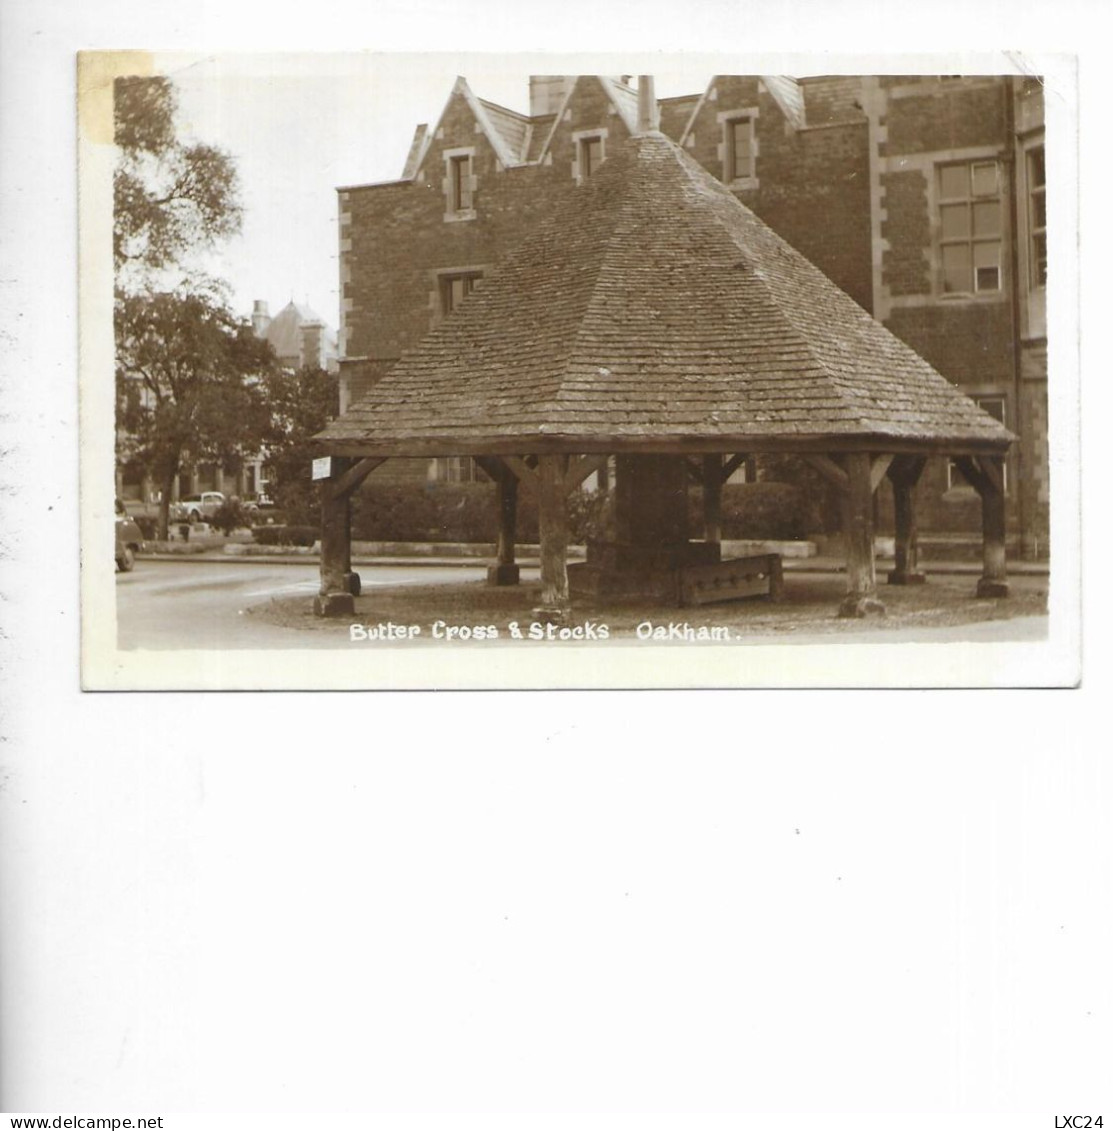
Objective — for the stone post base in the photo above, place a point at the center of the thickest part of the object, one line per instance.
(334, 605)
(504, 573)
(854, 605)
(906, 577)
(989, 587)
(354, 584)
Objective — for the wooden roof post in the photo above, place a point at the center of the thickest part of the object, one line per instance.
(993, 582)
(552, 503)
(861, 577)
(335, 598)
(339, 583)
(505, 570)
(987, 476)
(904, 473)
(713, 498)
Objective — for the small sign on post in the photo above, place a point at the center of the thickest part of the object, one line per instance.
(322, 468)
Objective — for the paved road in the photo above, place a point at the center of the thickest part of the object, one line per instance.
(170, 604)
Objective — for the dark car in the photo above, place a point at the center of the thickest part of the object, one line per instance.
(129, 539)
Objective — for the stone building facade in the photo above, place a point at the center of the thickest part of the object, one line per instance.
(921, 197)
(960, 265)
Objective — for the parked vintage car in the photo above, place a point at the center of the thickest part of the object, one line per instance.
(197, 508)
(260, 510)
(129, 539)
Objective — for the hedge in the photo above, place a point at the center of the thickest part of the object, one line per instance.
(774, 511)
(285, 535)
(434, 512)
(466, 512)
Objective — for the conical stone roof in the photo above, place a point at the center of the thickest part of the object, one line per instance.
(284, 331)
(652, 311)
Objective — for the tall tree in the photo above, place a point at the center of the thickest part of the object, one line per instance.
(190, 381)
(188, 372)
(171, 199)
(301, 404)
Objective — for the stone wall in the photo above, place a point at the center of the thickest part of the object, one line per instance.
(919, 123)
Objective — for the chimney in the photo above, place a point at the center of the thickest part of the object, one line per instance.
(649, 118)
(261, 318)
(546, 93)
(311, 350)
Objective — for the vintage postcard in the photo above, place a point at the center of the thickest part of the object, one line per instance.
(400, 371)
(668, 369)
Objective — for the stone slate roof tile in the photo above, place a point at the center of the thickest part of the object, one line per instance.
(676, 113)
(625, 99)
(541, 127)
(512, 127)
(788, 95)
(652, 307)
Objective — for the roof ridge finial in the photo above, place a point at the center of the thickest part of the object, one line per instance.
(649, 117)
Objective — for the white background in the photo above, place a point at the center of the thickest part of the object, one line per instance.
(530, 902)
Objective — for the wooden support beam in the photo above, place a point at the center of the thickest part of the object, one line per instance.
(879, 465)
(553, 516)
(335, 597)
(987, 474)
(906, 469)
(522, 469)
(975, 476)
(904, 473)
(695, 469)
(492, 466)
(347, 482)
(830, 470)
(580, 467)
(994, 579)
(712, 498)
(575, 469)
(505, 570)
(796, 444)
(733, 464)
(857, 507)
(993, 468)
(340, 584)
(508, 519)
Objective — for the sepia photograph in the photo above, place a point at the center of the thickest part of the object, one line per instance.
(468, 377)
(593, 632)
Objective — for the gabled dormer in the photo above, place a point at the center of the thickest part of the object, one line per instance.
(473, 140)
(592, 113)
(726, 127)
